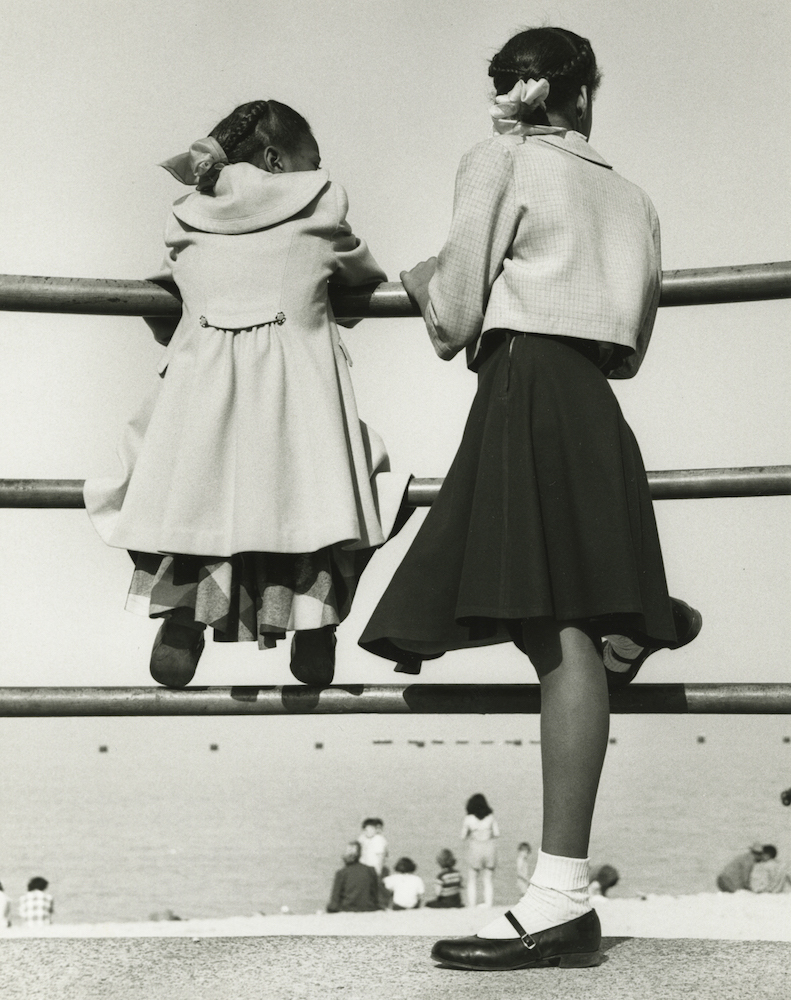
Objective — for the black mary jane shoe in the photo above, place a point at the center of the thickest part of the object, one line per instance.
(574, 944)
(688, 622)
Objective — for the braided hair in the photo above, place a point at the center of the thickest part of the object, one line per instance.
(252, 127)
(564, 59)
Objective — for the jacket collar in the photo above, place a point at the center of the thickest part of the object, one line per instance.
(576, 143)
(245, 199)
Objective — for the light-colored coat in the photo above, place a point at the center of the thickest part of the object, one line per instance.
(546, 238)
(252, 441)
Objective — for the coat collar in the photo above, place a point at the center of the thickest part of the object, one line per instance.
(245, 199)
(576, 143)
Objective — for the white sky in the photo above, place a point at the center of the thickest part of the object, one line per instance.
(693, 107)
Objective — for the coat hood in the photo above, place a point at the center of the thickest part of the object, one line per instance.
(245, 199)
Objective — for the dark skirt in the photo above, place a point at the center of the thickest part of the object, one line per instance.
(545, 513)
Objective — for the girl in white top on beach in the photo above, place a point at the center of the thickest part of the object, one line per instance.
(481, 830)
(251, 494)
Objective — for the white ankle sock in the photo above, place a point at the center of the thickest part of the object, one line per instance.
(558, 892)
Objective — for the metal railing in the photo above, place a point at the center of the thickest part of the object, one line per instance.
(391, 699)
(111, 297)
(702, 286)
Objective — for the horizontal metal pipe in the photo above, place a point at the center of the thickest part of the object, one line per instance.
(115, 297)
(676, 484)
(386, 699)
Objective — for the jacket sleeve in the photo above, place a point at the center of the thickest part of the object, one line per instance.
(631, 365)
(481, 234)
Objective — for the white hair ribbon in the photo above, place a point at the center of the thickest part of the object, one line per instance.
(508, 109)
(199, 165)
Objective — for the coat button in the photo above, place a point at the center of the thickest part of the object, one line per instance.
(203, 321)
(280, 318)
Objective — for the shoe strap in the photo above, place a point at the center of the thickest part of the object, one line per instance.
(528, 941)
(621, 659)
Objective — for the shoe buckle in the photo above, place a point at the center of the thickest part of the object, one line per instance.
(529, 942)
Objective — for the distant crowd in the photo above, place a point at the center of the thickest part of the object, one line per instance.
(366, 883)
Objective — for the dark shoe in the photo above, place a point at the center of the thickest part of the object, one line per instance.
(313, 656)
(174, 657)
(688, 624)
(571, 945)
(410, 664)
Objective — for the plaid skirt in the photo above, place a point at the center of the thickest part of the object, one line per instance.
(251, 596)
(545, 513)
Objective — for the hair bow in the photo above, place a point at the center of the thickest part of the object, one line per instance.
(509, 109)
(199, 165)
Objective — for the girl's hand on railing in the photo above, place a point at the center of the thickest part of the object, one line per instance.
(416, 282)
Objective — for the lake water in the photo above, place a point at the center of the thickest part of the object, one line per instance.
(161, 821)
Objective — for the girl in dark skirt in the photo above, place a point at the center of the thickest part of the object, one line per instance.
(543, 532)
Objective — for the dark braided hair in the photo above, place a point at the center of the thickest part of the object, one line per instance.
(252, 127)
(564, 59)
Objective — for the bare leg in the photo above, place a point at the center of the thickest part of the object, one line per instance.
(472, 887)
(575, 715)
(575, 719)
(488, 887)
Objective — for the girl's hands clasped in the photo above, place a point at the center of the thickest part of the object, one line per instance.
(416, 281)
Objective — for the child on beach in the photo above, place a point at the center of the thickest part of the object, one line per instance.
(543, 531)
(448, 883)
(406, 887)
(251, 494)
(373, 844)
(523, 853)
(480, 828)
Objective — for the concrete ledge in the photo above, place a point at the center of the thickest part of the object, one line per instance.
(385, 968)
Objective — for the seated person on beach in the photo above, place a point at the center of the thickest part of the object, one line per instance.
(356, 886)
(736, 874)
(36, 906)
(448, 883)
(523, 867)
(5, 908)
(407, 888)
(769, 874)
(603, 880)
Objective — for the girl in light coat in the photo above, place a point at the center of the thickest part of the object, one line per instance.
(251, 493)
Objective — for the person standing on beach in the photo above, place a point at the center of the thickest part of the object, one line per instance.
(373, 845)
(481, 830)
(736, 874)
(355, 888)
(36, 906)
(543, 531)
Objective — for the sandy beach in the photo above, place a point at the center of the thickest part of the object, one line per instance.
(740, 916)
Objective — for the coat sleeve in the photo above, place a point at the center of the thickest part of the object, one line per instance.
(163, 327)
(355, 264)
(481, 234)
(630, 366)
